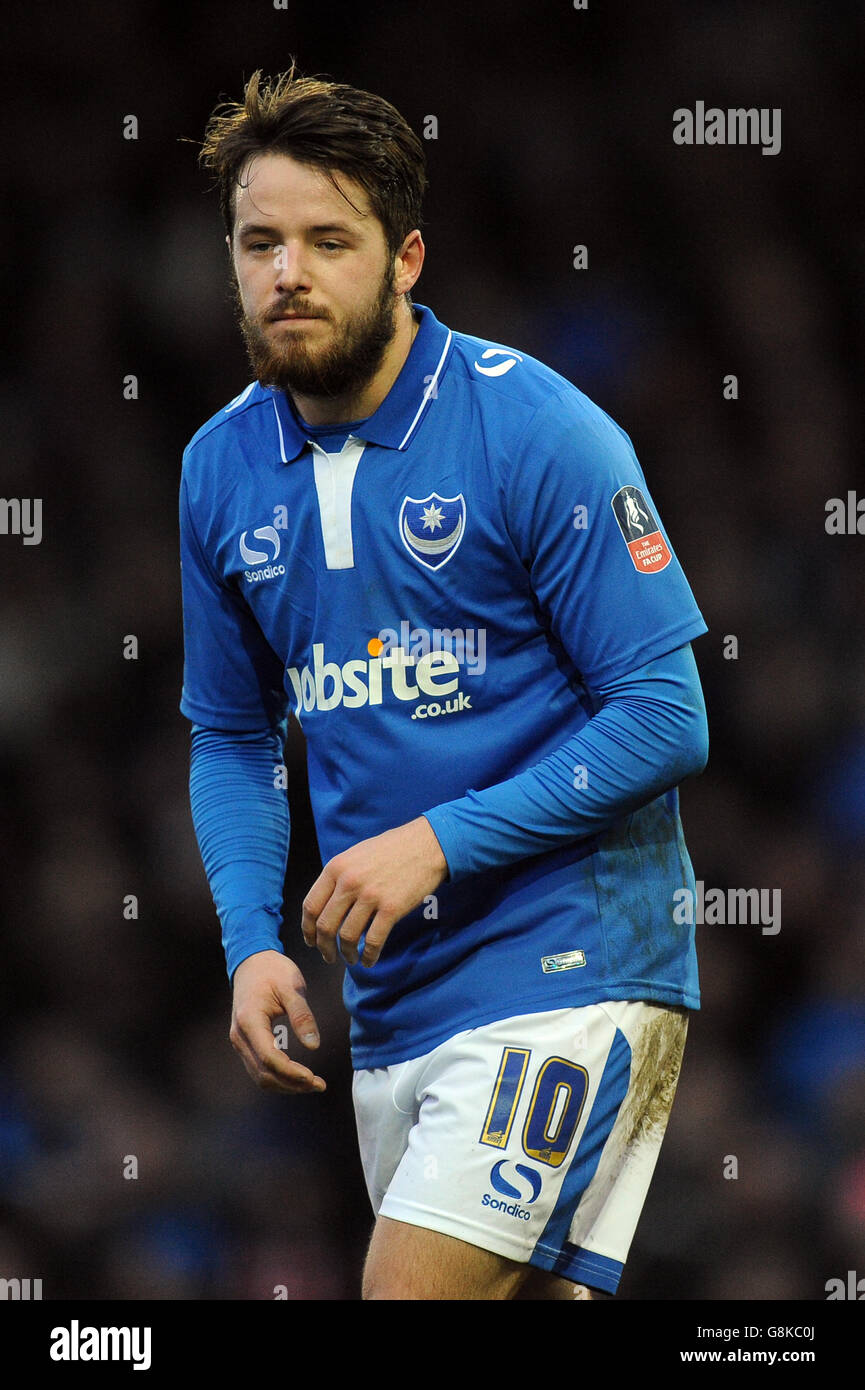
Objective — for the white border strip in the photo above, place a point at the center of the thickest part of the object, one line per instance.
(238, 400)
(430, 390)
(279, 427)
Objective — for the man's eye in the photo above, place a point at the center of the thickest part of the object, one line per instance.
(331, 245)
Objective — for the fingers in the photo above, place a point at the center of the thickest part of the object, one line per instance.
(335, 918)
(262, 1054)
(300, 1016)
(370, 887)
(348, 934)
(339, 928)
(314, 904)
(377, 934)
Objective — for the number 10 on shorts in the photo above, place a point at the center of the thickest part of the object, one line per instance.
(554, 1110)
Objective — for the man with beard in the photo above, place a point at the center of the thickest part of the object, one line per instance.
(500, 835)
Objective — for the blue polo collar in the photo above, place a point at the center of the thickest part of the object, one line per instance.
(396, 421)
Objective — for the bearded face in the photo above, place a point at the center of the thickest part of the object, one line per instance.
(319, 357)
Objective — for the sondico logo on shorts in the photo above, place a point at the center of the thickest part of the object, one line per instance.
(326, 685)
(251, 556)
(528, 1191)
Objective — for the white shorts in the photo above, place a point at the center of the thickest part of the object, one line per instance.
(535, 1137)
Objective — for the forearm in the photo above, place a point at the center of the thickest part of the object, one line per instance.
(241, 820)
(649, 734)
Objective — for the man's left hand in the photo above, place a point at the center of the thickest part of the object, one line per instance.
(369, 888)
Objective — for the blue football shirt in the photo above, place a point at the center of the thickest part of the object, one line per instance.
(438, 597)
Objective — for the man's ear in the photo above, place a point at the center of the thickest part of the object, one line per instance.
(408, 262)
(228, 245)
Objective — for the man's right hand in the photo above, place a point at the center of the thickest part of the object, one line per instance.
(268, 986)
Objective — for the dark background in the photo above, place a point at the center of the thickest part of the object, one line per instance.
(554, 129)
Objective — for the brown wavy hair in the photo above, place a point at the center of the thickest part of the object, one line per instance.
(328, 125)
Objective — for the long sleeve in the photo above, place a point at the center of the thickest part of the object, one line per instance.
(241, 818)
(648, 733)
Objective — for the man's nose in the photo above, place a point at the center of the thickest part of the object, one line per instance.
(292, 272)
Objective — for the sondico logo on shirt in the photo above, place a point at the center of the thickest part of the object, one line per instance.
(251, 556)
(363, 682)
(498, 368)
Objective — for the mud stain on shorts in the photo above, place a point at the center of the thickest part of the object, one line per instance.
(656, 1062)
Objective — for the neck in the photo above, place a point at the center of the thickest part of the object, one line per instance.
(357, 405)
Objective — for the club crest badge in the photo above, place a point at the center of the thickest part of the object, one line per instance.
(431, 529)
(642, 535)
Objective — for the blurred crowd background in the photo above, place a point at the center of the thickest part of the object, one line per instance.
(554, 129)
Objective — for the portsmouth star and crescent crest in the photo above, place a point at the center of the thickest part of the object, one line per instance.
(432, 527)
